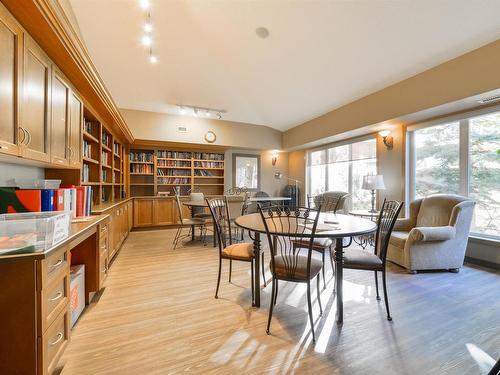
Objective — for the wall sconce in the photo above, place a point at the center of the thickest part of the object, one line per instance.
(387, 139)
(274, 157)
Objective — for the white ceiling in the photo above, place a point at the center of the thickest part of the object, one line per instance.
(321, 54)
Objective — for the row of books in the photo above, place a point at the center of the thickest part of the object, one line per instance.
(174, 154)
(208, 156)
(85, 173)
(146, 157)
(105, 175)
(77, 199)
(174, 172)
(87, 149)
(106, 139)
(141, 168)
(116, 148)
(104, 158)
(208, 164)
(173, 163)
(203, 173)
(89, 126)
(174, 181)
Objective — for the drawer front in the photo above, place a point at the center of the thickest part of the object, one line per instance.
(103, 243)
(55, 299)
(55, 265)
(54, 341)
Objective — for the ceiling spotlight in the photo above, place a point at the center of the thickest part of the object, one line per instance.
(219, 116)
(153, 59)
(195, 110)
(146, 41)
(144, 4)
(148, 27)
(182, 110)
(207, 113)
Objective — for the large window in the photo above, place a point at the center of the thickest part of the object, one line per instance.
(342, 168)
(461, 157)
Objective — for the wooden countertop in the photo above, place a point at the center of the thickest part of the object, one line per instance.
(102, 208)
(77, 233)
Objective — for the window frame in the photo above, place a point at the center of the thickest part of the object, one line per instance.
(465, 165)
(325, 148)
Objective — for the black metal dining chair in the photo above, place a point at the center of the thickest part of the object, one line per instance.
(284, 225)
(368, 261)
(322, 245)
(243, 251)
(190, 223)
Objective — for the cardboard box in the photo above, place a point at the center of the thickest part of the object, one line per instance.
(76, 292)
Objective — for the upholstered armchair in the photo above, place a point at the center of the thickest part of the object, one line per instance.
(434, 236)
(338, 198)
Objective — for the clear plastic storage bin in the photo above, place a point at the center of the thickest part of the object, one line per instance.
(32, 231)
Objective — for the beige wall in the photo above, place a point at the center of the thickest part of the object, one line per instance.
(268, 184)
(471, 74)
(163, 127)
(297, 170)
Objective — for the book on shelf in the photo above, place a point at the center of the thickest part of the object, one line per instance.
(174, 163)
(87, 149)
(89, 126)
(105, 158)
(174, 172)
(204, 173)
(116, 148)
(208, 164)
(106, 138)
(208, 156)
(174, 154)
(104, 175)
(85, 172)
(141, 168)
(174, 181)
(145, 157)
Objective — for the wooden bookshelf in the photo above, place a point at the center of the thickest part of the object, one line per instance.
(158, 169)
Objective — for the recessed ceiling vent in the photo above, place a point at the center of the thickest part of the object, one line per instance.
(489, 99)
(182, 129)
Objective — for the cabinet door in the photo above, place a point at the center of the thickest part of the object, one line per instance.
(59, 148)
(10, 55)
(36, 102)
(75, 133)
(130, 215)
(163, 212)
(143, 212)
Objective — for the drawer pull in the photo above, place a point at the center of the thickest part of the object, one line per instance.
(57, 296)
(59, 338)
(58, 263)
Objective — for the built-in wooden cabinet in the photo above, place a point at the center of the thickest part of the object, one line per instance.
(11, 46)
(35, 104)
(60, 131)
(159, 211)
(75, 133)
(144, 212)
(163, 211)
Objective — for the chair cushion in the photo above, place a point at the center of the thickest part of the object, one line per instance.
(242, 251)
(318, 243)
(361, 259)
(299, 272)
(435, 211)
(398, 238)
(193, 221)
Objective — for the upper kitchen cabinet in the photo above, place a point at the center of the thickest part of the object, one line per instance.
(60, 129)
(11, 46)
(35, 106)
(75, 134)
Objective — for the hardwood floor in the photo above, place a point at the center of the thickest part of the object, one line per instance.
(157, 315)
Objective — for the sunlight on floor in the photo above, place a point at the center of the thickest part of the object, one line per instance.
(483, 360)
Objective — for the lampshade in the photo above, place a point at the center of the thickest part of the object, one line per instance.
(373, 182)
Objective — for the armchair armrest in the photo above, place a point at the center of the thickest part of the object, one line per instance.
(426, 234)
(404, 224)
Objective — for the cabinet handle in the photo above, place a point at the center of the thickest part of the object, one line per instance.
(57, 264)
(29, 137)
(56, 297)
(59, 338)
(23, 132)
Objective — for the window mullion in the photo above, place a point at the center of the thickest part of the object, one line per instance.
(464, 160)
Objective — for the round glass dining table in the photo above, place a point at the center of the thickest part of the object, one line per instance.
(334, 226)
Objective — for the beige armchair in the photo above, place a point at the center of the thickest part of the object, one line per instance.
(434, 236)
(339, 199)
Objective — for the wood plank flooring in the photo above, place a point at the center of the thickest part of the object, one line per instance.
(157, 315)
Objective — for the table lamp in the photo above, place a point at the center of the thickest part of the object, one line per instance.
(373, 182)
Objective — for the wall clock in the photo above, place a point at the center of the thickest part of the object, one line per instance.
(210, 136)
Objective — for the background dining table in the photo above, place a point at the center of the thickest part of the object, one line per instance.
(334, 226)
(199, 204)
